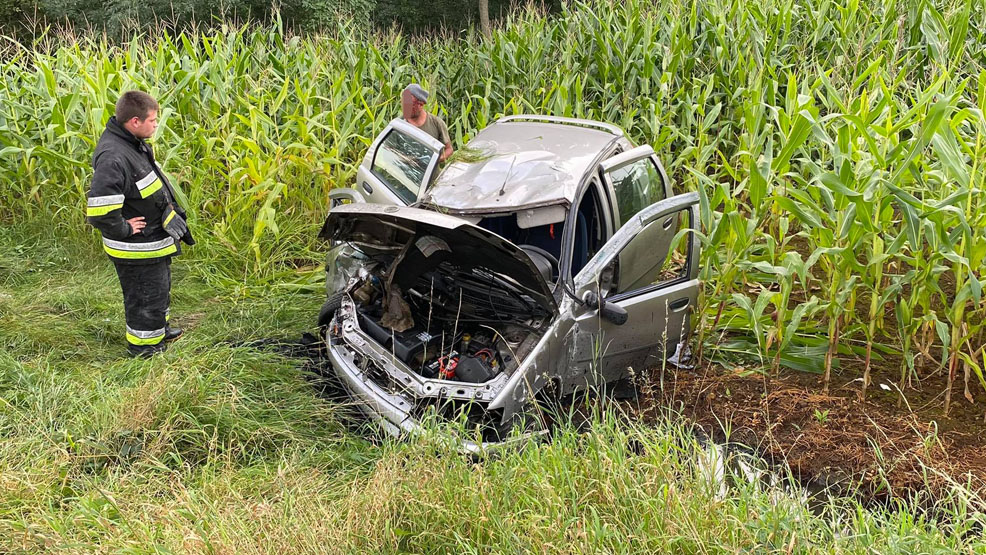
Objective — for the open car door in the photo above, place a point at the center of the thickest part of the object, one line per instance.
(396, 169)
(636, 323)
(638, 180)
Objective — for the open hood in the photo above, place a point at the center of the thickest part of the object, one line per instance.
(381, 228)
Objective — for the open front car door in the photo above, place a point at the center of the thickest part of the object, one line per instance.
(638, 293)
(398, 165)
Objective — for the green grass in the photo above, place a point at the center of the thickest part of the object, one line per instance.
(218, 447)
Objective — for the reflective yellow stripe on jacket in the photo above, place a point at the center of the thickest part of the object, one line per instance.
(149, 184)
(157, 249)
(100, 206)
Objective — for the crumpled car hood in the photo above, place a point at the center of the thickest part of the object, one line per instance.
(506, 181)
(389, 228)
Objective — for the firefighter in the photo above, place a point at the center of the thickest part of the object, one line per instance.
(134, 207)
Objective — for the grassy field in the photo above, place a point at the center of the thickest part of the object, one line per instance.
(838, 149)
(215, 447)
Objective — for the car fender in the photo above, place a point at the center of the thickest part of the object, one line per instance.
(548, 359)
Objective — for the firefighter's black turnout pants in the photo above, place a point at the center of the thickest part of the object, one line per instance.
(146, 299)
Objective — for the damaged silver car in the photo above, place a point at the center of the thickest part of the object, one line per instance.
(548, 256)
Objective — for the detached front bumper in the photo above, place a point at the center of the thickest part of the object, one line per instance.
(391, 411)
(391, 394)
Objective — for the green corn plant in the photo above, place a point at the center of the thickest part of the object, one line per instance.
(835, 247)
(834, 134)
(967, 246)
(729, 237)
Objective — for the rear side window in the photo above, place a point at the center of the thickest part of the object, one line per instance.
(401, 163)
(637, 186)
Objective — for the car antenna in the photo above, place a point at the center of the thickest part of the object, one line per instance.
(506, 177)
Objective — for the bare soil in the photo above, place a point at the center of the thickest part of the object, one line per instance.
(884, 447)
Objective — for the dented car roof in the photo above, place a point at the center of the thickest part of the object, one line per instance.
(515, 165)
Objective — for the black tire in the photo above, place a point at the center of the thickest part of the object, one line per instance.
(329, 309)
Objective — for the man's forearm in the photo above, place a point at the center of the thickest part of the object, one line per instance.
(113, 226)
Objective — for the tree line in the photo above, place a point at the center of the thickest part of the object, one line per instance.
(26, 20)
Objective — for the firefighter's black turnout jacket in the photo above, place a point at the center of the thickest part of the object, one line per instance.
(127, 183)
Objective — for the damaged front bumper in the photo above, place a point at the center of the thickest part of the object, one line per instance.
(388, 392)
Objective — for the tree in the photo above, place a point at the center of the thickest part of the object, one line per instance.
(484, 16)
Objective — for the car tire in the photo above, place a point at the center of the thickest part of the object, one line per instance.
(329, 309)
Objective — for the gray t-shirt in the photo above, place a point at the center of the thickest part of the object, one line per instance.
(435, 127)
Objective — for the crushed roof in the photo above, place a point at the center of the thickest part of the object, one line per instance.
(514, 165)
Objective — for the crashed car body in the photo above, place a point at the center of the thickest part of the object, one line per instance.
(550, 256)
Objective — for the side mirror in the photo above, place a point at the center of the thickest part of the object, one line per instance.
(339, 197)
(612, 313)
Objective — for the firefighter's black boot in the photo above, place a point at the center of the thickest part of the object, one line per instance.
(146, 351)
(171, 334)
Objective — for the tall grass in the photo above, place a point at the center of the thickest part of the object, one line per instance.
(838, 148)
(219, 447)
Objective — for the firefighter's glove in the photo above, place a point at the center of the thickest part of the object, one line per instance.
(174, 224)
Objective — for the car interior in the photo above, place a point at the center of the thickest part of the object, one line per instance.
(589, 233)
(544, 243)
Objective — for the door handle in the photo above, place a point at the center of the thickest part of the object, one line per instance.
(668, 222)
(367, 188)
(678, 304)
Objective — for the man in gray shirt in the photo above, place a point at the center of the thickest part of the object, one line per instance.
(413, 100)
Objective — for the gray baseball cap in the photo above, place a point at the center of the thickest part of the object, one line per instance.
(417, 92)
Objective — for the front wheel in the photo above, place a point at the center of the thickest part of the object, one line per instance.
(329, 309)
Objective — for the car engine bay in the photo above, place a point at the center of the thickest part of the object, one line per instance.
(448, 321)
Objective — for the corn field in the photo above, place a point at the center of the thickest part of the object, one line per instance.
(838, 148)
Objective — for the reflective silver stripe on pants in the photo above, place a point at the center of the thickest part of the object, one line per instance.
(138, 247)
(142, 334)
(147, 180)
(107, 200)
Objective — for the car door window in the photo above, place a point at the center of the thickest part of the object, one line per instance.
(637, 186)
(648, 251)
(402, 162)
